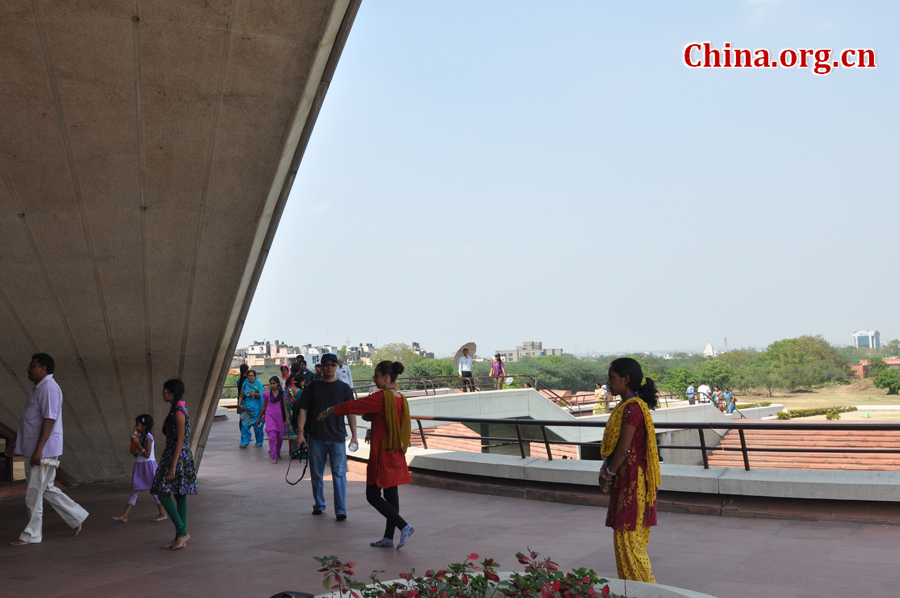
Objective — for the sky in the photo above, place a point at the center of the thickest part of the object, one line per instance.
(512, 171)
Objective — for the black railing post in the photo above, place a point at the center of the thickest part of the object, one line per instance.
(422, 434)
(744, 449)
(703, 448)
(521, 442)
(547, 443)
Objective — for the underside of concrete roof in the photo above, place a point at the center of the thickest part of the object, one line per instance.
(147, 149)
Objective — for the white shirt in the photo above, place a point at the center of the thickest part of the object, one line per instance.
(44, 402)
(465, 364)
(705, 392)
(141, 458)
(343, 374)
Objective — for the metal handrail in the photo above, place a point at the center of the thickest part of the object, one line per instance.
(739, 425)
(457, 381)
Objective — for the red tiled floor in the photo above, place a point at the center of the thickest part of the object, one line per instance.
(253, 535)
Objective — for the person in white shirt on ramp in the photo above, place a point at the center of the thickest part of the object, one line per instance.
(704, 393)
(465, 371)
(343, 373)
(40, 440)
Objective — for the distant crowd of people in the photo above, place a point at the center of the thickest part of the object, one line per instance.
(723, 400)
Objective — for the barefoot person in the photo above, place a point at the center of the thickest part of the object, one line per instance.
(630, 472)
(39, 440)
(176, 475)
(388, 411)
(144, 466)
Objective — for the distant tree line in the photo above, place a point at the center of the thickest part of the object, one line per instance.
(789, 364)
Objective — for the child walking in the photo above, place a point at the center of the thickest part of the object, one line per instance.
(144, 466)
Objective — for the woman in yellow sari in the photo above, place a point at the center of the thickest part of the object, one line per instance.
(630, 471)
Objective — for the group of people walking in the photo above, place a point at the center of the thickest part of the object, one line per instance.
(40, 440)
(723, 400)
(310, 410)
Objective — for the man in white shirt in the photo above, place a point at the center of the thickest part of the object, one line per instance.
(704, 393)
(39, 438)
(465, 371)
(343, 373)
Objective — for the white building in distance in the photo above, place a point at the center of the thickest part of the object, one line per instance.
(867, 339)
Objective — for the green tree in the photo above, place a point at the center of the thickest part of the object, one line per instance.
(760, 374)
(876, 366)
(396, 352)
(889, 379)
(430, 367)
(738, 357)
(715, 371)
(852, 355)
(361, 372)
(677, 380)
(559, 372)
(805, 361)
(892, 349)
(342, 353)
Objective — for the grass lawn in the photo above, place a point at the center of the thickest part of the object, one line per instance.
(858, 416)
(858, 393)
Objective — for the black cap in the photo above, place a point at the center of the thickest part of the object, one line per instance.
(328, 357)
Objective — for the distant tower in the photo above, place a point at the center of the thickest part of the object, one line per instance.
(726, 344)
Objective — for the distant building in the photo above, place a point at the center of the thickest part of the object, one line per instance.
(267, 355)
(419, 351)
(862, 370)
(360, 352)
(709, 351)
(867, 339)
(527, 349)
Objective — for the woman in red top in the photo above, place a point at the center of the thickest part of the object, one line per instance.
(630, 472)
(388, 411)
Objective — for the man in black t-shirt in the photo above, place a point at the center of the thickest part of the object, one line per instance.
(327, 437)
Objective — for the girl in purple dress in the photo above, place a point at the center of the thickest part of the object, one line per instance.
(144, 467)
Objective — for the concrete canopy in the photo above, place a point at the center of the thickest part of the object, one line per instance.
(146, 152)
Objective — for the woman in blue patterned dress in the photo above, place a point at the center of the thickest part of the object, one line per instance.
(176, 475)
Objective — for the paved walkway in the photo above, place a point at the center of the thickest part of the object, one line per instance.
(253, 535)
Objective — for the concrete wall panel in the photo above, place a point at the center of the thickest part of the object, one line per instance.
(146, 143)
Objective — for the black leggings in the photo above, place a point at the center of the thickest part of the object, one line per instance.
(389, 506)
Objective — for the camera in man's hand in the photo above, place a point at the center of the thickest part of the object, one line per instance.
(300, 451)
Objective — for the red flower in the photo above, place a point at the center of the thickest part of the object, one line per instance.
(492, 576)
(605, 591)
(473, 557)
